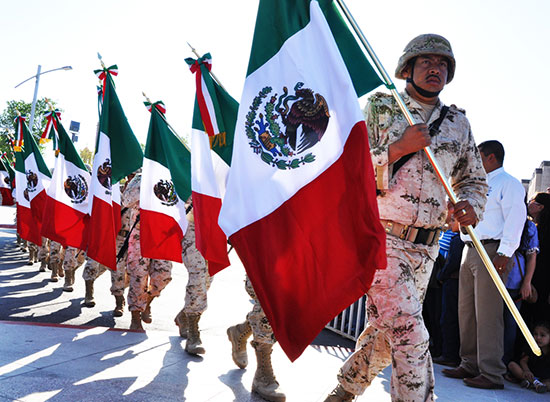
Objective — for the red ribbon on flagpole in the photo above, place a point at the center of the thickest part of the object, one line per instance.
(18, 145)
(49, 122)
(102, 75)
(196, 69)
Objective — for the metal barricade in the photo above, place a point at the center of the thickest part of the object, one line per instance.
(350, 322)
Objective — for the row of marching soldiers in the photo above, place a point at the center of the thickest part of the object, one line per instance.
(145, 279)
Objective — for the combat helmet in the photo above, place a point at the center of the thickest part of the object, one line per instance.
(427, 44)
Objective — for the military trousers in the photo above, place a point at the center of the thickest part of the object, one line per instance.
(93, 270)
(261, 328)
(199, 279)
(395, 332)
(74, 258)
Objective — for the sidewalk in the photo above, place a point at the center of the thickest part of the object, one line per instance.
(43, 362)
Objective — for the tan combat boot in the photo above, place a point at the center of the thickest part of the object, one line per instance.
(264, 383)
(238, 334)
(194, 343)
(136, 321)
(55, 271)
(89, 295)
(119, 307)
(69, 281)
(43, 265)
(146, 314)
(181, 322)
(339, 394)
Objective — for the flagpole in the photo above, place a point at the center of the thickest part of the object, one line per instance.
(168, 124)
(448, 189)
(211, 73)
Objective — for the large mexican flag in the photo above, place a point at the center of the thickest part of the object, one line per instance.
(7, 175)
(117, 154)
(32, 178)
(212, 147)
(68, 195)
(165, 186)
(300, 206)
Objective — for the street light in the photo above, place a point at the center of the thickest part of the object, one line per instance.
(37, 76)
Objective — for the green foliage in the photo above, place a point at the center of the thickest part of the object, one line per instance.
(10, 113)
(86, 155)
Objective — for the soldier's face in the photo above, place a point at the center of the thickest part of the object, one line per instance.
(430, 72)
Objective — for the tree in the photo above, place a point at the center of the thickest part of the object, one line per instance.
(10, 113)
(86, 155)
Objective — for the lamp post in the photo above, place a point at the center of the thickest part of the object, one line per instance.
(37, 76)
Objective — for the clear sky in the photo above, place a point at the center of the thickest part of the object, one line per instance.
(501, 48)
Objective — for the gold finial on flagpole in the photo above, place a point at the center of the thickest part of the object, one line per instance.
(101, 60)
(211, 73)
(50, 105)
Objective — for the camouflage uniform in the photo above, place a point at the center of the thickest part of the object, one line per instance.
(57, 252)
(74, 258)
(44, 250)
(199, 280)
(413, 196)
(261, 329)
(147, 277)
(93, 269)
(33, 252)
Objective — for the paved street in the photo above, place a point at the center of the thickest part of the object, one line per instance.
(54, 349)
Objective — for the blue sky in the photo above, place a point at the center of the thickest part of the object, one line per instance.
(501, 49)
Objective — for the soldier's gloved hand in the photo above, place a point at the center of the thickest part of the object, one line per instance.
(414, 139)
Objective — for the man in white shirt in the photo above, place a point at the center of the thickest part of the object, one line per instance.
(479, 302)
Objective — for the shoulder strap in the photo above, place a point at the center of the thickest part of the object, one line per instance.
(434, 127)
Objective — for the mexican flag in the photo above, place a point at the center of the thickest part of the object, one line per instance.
(68, 194)
(7, 176)
(117, 154)
(212, 147)
(32, 178)
(300, 206)
(165, 186)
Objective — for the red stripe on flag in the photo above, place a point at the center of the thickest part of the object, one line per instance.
(104, 225)
(64, 224)
(27, 227)
(7, 197)
(209, 237)
(317, 253)
(161, 236)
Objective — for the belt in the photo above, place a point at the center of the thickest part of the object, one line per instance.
(413, 234)
(123, 233)
(485, 241)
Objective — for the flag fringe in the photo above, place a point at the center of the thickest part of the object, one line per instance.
(217, 140)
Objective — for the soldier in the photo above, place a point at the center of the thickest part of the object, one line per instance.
(198, 284)
(119, 282)
(44, 254)
(264, 383)
(33, 253)
(147, 277)
(413, 208)
(57, 254)
(74, 258)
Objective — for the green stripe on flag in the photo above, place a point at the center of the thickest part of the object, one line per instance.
(163, 147)
(278, 20)
(126, 153)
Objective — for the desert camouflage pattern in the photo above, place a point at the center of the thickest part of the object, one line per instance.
(414, 195)
(33, 251)
(74, 258)
(261, 329)
(424, 45)
(394, 309)
(44, 250)
(147, 277)
(199, 280)
(57, 252)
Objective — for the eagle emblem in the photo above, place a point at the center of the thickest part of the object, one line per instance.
(288, 126)
(104, 174)
(32, 181)
(165, 191)
(76, 188)
(7, 180)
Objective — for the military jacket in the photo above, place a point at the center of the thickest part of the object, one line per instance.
(130, 198)
(414, 195)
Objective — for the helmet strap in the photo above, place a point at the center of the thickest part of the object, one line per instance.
(421, 91)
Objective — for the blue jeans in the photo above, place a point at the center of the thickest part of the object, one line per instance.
(510, 328)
